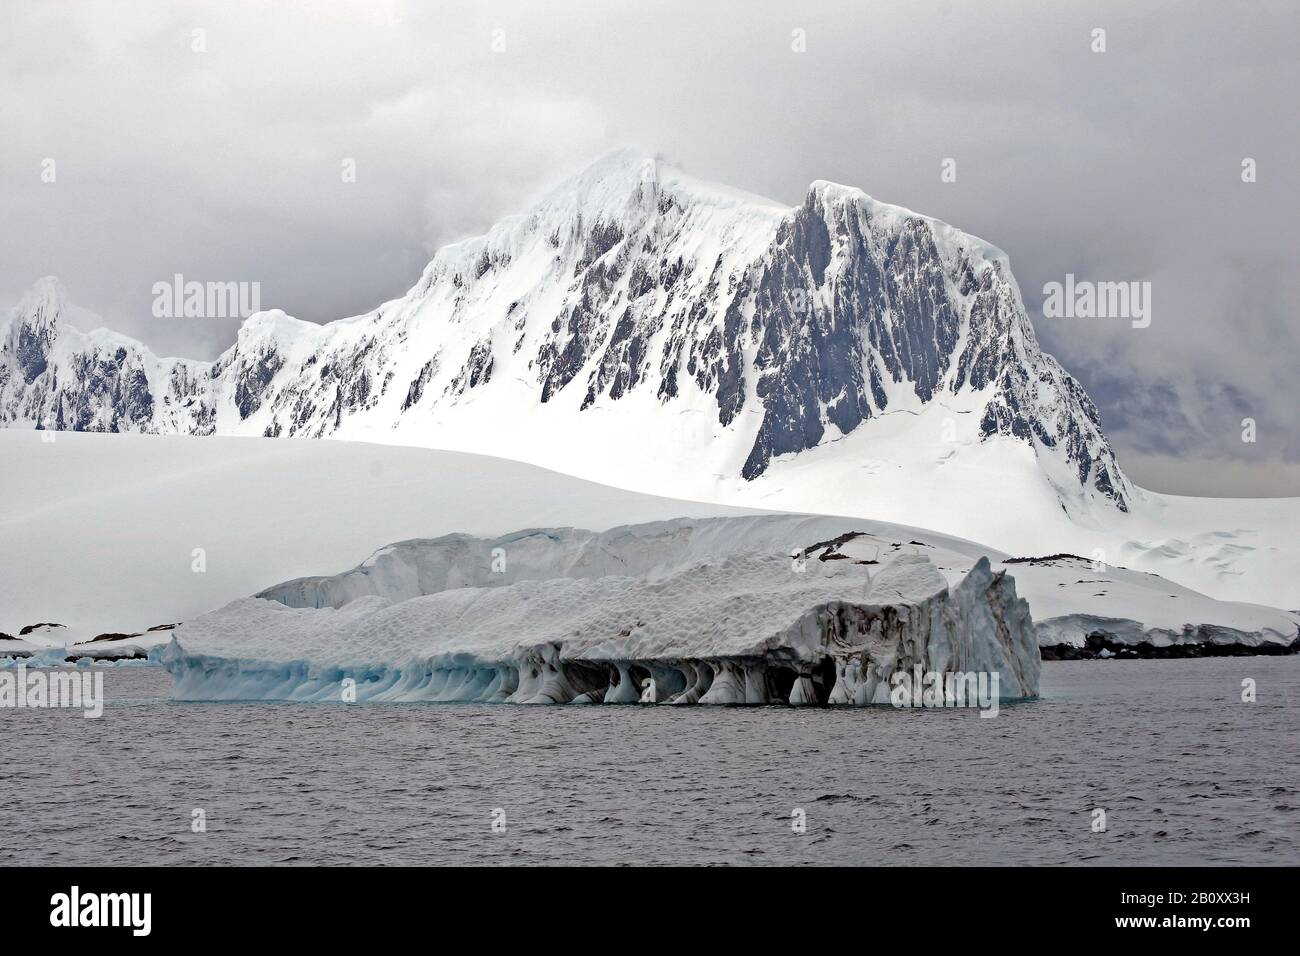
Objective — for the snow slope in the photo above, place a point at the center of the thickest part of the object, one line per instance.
(1068, 595)
(645, 330)
(743, 629)
(97, 532)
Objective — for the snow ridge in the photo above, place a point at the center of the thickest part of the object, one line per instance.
(678, 313)
(743, 629)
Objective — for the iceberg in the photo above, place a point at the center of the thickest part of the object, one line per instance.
(727, 611)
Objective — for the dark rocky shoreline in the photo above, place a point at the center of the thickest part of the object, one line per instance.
(1100, 646)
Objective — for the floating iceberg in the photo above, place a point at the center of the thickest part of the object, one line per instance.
(747, 610)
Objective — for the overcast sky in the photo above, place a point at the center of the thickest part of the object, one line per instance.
(224, 163)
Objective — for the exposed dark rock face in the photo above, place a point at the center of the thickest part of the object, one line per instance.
(253, 379)
(1100, 645)
(111, 637)
(1047, 559)
(416, 390)
(126, 652)
(35, 328)
(30, 350)
(789, 327)
(477, 369)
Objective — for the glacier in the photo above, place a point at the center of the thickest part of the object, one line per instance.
(657, 333)
(710, 611)
(654, 332)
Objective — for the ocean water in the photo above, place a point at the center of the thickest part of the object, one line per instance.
(1185, 771)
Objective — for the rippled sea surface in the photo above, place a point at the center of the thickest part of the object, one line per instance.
(1185, 772)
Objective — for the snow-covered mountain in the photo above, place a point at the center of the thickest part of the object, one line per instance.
(638, 327)
(55, 376)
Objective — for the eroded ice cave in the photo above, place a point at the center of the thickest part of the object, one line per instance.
(750, 610)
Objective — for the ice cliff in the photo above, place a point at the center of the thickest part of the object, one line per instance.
(750, 610)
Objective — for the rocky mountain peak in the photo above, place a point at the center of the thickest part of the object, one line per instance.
(627, 301)
(35, 325)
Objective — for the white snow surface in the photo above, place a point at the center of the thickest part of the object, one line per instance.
(97, 533)
(1069, 595)
(922, 464)
(17, 647)
(711, 632)
(458, 363)
(710, 608)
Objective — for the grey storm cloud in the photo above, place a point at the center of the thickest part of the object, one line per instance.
(207, 139)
